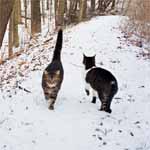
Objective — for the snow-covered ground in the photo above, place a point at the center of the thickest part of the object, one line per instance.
(76, 123)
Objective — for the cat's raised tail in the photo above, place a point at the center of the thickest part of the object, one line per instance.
(58, 45)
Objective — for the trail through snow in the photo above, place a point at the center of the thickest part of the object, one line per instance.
(76, 124)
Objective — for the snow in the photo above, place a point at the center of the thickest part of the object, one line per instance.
(76, 123)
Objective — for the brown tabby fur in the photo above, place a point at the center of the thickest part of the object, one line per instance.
(53, 75)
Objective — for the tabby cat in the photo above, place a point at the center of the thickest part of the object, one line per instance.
(53, 74)
(101, 81)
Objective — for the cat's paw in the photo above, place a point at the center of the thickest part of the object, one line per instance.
(51, 107)
(87, 92)
(106, 110)
(94, 100)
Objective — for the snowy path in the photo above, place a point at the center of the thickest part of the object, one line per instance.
(76, 124)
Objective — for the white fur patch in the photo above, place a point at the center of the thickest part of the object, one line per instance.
(94, 93)
(89, 53)
(51, 85)
(87, 85)
(50, 101)
(112, 82)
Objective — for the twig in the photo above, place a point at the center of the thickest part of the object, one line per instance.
(24, 89)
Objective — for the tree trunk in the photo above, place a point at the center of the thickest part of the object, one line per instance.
(66, 8)
(60, 14)
(35, 17)
(13, 29)
(15, 16)
(10, 37)
(56, 11)
(113, 4)
(92, 6)
(25, 9)
(83, 7)
(19, 11)
(47, 4)
(6, 7)
(73, 11)
(43, 12)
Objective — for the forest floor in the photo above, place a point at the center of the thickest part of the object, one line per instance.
(76, 123)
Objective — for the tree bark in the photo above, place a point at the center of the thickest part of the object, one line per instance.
(43, 12)
(73, 11)
(6, 7)
(16, 19)
(60, 14)
(47, 4)
(35, 17)
(113, 4)
(83, 7)
(10, 37)
(25, 9)
(92, 6)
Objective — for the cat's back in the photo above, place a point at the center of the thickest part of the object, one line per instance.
(102, 80)
(55, 66)
(100, 74)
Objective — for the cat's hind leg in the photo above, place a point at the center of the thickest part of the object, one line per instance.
(51, 103)
(94, 96)
(52, 98)
(87, 88)
(105, 102)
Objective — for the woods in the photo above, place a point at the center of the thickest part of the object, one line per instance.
(139, 14)
(33, 15)
(6, 7)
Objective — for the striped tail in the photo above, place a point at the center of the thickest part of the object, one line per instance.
(58, 45)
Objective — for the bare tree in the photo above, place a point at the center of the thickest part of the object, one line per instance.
(83, 8)
(103, 5)
(10, 38)
(13, 28)
(16, 20)
(47, 4)
(35, 17)
(73, 11)
(92, 6)
(25, 10)
(6, 7)
(139, 14)
(60, 13)
(43, 11)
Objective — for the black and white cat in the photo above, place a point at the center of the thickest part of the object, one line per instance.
(53, 74)
(101, 81)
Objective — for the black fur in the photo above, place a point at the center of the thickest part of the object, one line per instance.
(53, 74)
(58, 46)
(56, 63)
(102, 81)
(89, 62)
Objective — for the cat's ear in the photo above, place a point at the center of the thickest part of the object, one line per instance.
(45, 72)
(57, 72)
(94, 56)
(83, 55)
(84, 58)
(93, 60)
